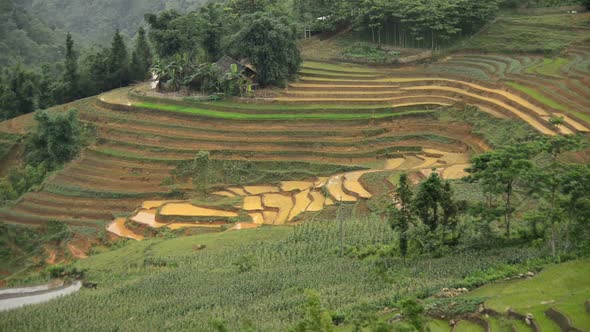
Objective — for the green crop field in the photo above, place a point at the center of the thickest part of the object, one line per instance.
(199, 286)
(549, 67)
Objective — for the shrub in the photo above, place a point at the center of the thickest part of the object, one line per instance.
(56, 139)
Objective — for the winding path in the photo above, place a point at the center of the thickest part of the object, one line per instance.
(20, 297)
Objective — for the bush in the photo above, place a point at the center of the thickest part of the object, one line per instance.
(20, 181)
(55, 271)
(56, 139)
(366, 52)
(245, 263)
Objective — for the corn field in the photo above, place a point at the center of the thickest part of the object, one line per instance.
(141, 289)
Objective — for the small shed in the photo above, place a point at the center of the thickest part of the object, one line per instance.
(224, 64)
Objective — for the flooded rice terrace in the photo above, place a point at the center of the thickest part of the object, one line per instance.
(283, 203)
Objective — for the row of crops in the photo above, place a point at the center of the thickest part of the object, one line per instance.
(187, 290)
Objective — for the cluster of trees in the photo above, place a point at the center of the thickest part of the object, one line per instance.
(407, 22)
(56, 140)
(24, 90)
(530, 174)
(431, 211)
(259, 31)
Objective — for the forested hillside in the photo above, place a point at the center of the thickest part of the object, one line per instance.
(96, 21)
(32, 32)
(25, 38)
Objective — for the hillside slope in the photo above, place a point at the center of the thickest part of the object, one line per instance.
(25, 38)
(97, 20)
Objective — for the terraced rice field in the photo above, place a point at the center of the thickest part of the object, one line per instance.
(334, 114)
(560, 83)
(283, 203)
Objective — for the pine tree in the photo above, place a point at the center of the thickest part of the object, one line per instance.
(401, 214)
(141, 58)
(118, 62)
(71, 77)
(427, 202)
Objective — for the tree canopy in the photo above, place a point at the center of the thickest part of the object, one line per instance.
(269, 44)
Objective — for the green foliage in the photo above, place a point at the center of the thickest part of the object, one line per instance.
(20, 181)
(118, 62)
(26, 38)
(317, 319)
(96, 21)
(289, 260)
(401, 214)
(212, 19)
(182, 71)
(434, 204)
(504, 172)
(245, 263)
(410, 23)
(141, 58)
(61, 271)
(451, 307)
(234, 83)
(172, 33)
(366, 52)
(17, 93)
(71, 77)
(269, 44)
(56, 139)
(412, 312)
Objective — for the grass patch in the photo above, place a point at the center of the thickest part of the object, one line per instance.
(549, 67)
(305, 116)
(547, 101)
(563, 286)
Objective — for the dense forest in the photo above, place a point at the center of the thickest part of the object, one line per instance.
(27, 39)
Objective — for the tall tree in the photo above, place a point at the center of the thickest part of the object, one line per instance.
(270, 45)
(96, 64)
(141, 58)
(211, 21)
(427, 201)
(549, 183)
(118, 62)
(71, 77)
(435, 206)
(401, 215)
(503, 173)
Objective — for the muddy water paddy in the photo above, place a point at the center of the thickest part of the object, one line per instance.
(283, 203)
